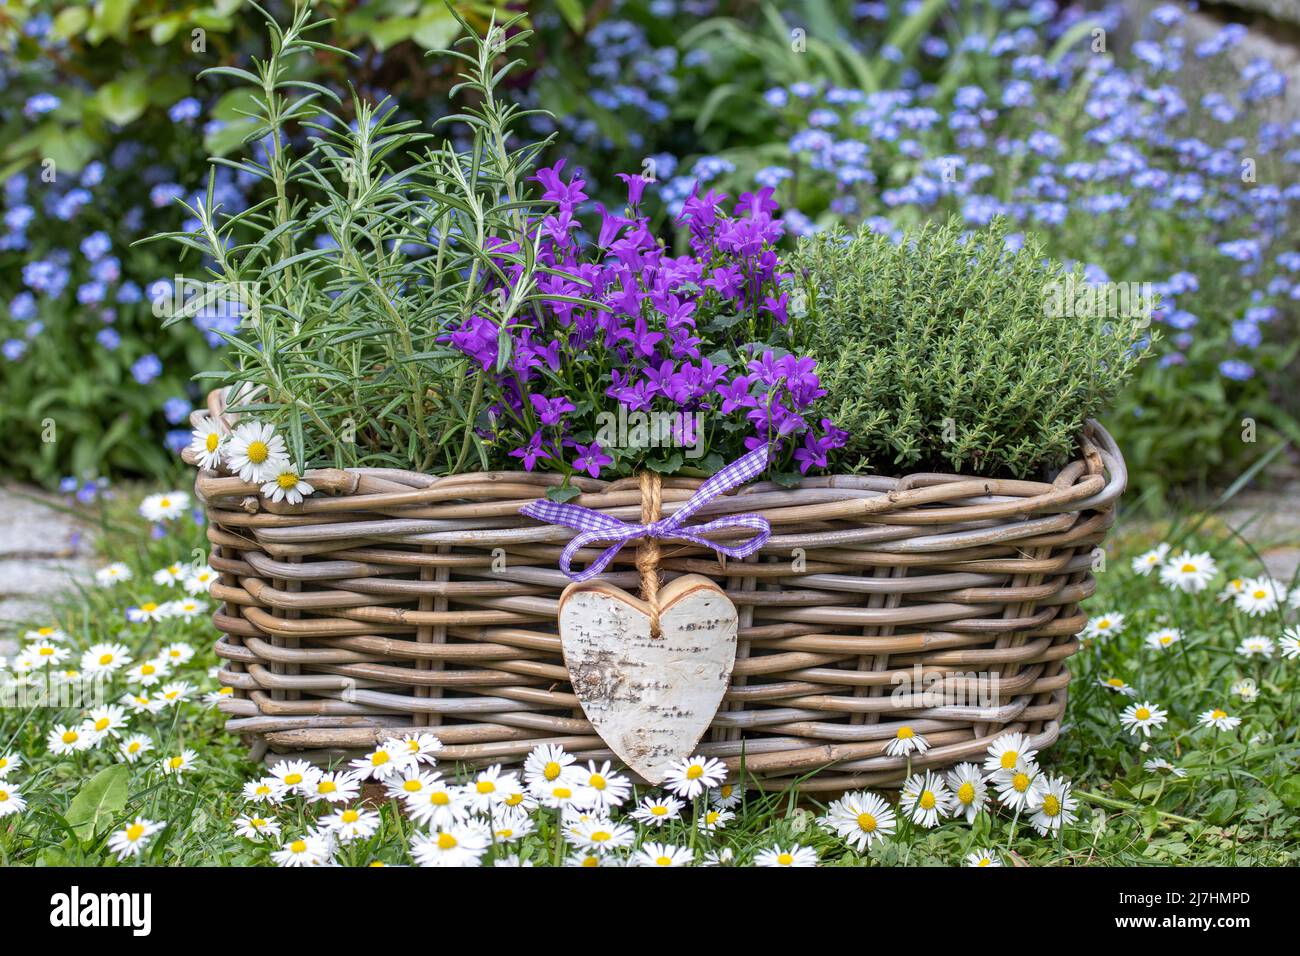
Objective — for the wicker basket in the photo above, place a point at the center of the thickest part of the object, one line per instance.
(379, 606)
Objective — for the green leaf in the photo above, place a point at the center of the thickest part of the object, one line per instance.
(124, 99)
(113, 17)
(100, 799)
(574, 13)
(70, 22)
(436, 27)
(563, 493)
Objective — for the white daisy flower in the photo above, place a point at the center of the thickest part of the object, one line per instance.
(148, 673)
(1230, 590)
(1256, 645)
(1289, 645)
(412, 782)
(51, 635)
(1246, 689)
(440, 806)
(563, 794)
(714, 819)
(662, 854)
(64, 739)
(350, 823)
(1007, 751)
(296, 776)
(172, 574)
(306, 850)
(179, 764)
(691, 776)
(175, 692)
(218, 695)
(146, 612)
(255, 828)
(1104, 625)
(133, 837)
(46, 654)
(1119, 685)
(489, 788)
(422, 748)
(984, 856)
(177, 653)
(969, 791)
(656, 811)
(111, 574)
(199, 580)
(925, 799)
(860, 818)
(286, 484)
(1157, 764)
(134, 747)
(11, 800)
(1260, 596)
(606, 788)
(9, 762)
(588, 859)
(460, 844)
(1190, 573)
(337, 786)
(723, 857)
(795, 856)
(1053, 806)
(906, 741)
(1148, 561)
(269, 790)
(1141, 718)
(207, 443)
(1219, 720)
(1164, 638)
(186, 608)
(165, 506)
(517, 796)
(512, 859)
(141, 703)
(509, 824)
(389, 757)
(1019, 787)
(108, 720)
(256, 453)
(545, 764)
(105, 658)
(726, 796)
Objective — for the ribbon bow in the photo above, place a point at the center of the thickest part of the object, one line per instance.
(594, 526)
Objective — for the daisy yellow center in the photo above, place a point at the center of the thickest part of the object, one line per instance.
(350, 816)
(149, 606)
(590, 861)
(1218, 714)
(257, 822)
(105, 658)
(1188, 568)
(212, 441)
(4, 796)
(171, 694)
(46, 651)
(263, 790)
(905, 733)
(659, 811)
(1259, 595)
(927, 800)
(134, 832)
(866, 822)
(327, 786)
(440, 799)
(694, 772)
(165, 502)
(514, 799)
(411, 786)
(45, 631)
(292, 779)
(551, 770)
(1166, 639)
(600, 836)
(1142, 714)
(711, 817)
(966, 792)
(725, 791)
(176, 762)
(1114, 682)
(257, 452)
(446, 841)
(1009, 759)
(785, 859)
(1051, 805)
(102, 723)
(486, 786)
(505, 834)
(69, 736)
(287, 480)
(133, 747)
(1021, 782)
(597, 781)
(147, 669)
(563, 793)
(298, 846)
(378, 758)
(985, 861)
(663, 861)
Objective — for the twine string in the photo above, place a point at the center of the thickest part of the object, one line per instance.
(647, 552)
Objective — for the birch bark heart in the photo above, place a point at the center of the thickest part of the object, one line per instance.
(649, 698)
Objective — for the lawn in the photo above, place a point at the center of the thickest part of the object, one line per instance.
(1176, 792)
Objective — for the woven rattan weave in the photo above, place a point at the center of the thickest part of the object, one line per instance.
(391, 601)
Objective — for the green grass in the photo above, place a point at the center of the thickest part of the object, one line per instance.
(1239, 803)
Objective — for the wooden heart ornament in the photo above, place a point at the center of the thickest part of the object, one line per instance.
(649, 698)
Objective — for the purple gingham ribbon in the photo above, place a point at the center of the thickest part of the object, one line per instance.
(594, 526)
